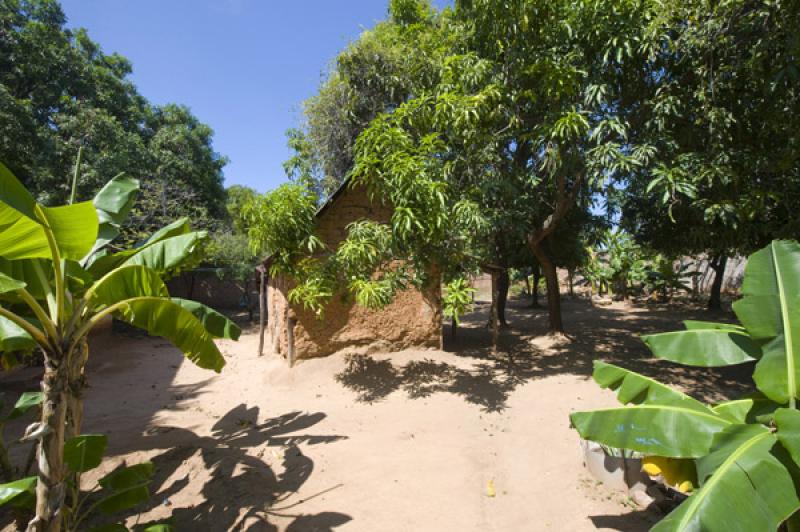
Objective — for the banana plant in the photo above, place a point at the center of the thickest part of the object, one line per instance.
(124, 488)
(58, 281)
(746, 451)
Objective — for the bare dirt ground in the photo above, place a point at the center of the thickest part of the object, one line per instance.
(381, 442)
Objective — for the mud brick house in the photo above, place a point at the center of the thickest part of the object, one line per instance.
(413, 319)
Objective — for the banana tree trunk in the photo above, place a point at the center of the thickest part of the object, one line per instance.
(51, 487)
(75, 387)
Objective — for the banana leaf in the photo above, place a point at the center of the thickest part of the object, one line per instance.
(163, 317)
(770, 311)
(704, 347)
(744, 486)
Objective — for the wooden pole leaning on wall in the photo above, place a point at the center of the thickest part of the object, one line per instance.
(291, 321)
(262, 305)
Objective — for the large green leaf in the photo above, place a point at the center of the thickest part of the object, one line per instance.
(163, 317)
(658, 430)
(8, 284)
(13, 337)
(788, 422)
(25, 402)
(178, 227)
(28, 271)
(74, 229)
(770, 311)
(748, 488)
(692, 325)
(704, 347)
(215, 322)
(126, 282)
(735, 411)
(113, 203)
(85, 452)
(161, 255)
(14, 195)
(123, 499)
(129, 487)
(634, 388)
(127, 477)
(169, 253)
(18, 493)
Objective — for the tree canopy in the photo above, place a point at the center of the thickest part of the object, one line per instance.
(59, 91)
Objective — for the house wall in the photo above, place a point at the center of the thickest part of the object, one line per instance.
(413, 319)
(207, 288)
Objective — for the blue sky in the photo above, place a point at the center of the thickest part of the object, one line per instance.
(242, 66)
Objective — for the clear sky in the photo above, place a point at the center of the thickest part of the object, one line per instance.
(242, 66)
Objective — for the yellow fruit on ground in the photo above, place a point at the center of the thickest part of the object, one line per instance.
(650, 466)
(675, 472)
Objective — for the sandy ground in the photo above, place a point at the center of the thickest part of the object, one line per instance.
(399, 442)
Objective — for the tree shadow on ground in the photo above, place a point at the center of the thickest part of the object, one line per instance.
(487, 378)
(249, 471)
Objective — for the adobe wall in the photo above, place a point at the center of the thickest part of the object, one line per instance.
(413, 319)
(207, 288)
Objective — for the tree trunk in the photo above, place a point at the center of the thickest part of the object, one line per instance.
(571, 276)
(537, 276)
(493, 325)
(503, 284)
(453, 328)
(553, 295)
(718, 265)
(51, 488)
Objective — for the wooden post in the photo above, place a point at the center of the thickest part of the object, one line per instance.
(262, 304)
(290, 323)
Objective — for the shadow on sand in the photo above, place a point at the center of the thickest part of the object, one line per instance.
(595, 333)
(249, 472)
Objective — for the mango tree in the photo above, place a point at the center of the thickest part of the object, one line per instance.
(746, 451)
(58, 281)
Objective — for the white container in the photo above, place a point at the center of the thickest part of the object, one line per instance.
(616, 472)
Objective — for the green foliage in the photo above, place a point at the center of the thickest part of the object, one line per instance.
(122, 489)
(720, 119)
(744, 450)
(60, 91)
(232, 255)
(281, 224)
(457, 299)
